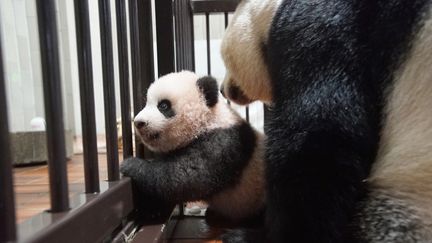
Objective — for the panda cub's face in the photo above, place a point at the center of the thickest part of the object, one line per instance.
(178, 109)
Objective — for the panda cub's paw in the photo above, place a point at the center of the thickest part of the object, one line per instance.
(131, 167)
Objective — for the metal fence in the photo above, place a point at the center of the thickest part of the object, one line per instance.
(105, 212)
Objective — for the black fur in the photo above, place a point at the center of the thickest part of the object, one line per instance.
(211, 163)
(330, 62)
(209, 87)
(237, 94)
(164, 106)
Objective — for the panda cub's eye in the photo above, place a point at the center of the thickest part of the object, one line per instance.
(164, 105)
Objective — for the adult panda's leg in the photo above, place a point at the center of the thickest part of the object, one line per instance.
(329, 63)
(313, 186)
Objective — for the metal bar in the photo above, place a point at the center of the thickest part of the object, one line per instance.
(247, 113)
(93, 219)
(53, 105)
(124, 78)
(207, 17)
(179, 35)
(7, 201)
(136, 71)
(212, 6)
(191, 16)
(164, 36)
(226, 25)
(146, 55)
(109, 90)
(226, 19)
(184, 35)
(142, 58)
(88, 120)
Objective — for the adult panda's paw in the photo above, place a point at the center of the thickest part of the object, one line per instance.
(132, 167)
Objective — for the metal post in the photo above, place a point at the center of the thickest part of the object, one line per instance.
(165, 36)
(7, 202)
(142, 58)
(53, 105)
(207, 18)
(88, 120)
(109, 90)
(184, 35)
(124, 78)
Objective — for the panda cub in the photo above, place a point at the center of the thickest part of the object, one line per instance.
(204, 149)
(349, 143)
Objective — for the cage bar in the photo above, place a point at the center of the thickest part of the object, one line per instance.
(164, 36)
(123, 61)
(142, 58)
(53, 105)
(207, 19)
(7, 200)
(226, 25)
(109, 90)
(184, 36)
(88, 120)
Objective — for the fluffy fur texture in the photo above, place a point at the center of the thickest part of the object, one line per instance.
(350, 136)
(205, 150)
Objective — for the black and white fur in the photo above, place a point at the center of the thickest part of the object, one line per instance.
(349, 150)
(205, 151)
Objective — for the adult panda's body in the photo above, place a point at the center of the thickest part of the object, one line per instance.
(349, 150)
(204, 150)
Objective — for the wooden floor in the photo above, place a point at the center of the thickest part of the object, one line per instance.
(32, 197)
(32, 187)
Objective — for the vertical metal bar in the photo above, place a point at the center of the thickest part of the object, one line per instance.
(247, 113)
(226, 19)
(226, 25)
(207, 18)
(165, 36)
(184, 35)
(109, 90)
(142, 58)
(123, 61)
(7, 200)
(191, 21)
(136, 71)
(53, 105)
(88, 120)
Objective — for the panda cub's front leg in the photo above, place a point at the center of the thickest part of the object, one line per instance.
(209, 165)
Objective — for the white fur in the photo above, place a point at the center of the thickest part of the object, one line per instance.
(192, 118)
(242, 45)
(404, 162)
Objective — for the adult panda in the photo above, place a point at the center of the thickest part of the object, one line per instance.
(349, 150)
(204, 150)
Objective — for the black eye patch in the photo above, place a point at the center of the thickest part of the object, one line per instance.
(164, 106)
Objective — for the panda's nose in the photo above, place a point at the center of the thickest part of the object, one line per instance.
(140, 124)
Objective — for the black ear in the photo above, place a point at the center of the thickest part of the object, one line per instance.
(208, 86)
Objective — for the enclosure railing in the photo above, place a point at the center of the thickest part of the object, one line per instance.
(105, 212)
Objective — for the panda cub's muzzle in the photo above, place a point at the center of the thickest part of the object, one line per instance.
(145, 134)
